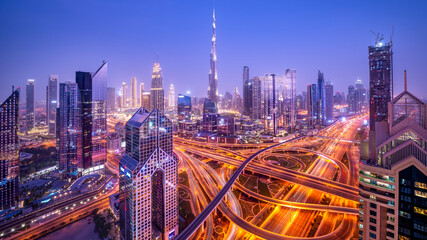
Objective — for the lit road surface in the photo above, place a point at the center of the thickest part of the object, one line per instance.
(280, 224)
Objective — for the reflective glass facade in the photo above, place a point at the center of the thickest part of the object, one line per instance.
(93, 93)
(52, 103)
(69, 131)
(9, 151)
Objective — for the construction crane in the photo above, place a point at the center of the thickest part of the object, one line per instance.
(379, 37)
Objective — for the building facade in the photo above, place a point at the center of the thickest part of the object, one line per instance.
(69, 137)
(329, 102)
(213, 74)
(29, 105)
(133, 92)
(184, 107)
(51, 103)
(157, 93)
(93, 93)
(393, 184)
(124, 98)
(380, 82)
(148, 179)
(9, 151)
(111, 99)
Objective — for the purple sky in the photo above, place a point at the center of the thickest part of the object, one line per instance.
(39, 38)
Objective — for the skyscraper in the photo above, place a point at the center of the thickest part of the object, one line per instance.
(209, 106)
(171, 98)
(52, 103)
(380, 82)
(213, 75)
(290, 97)
(69, 131)
(9, 151)
(148, 179)
(255, 87)
(124, 95)
(111, 99)
(93, 92)
(329, 102)
(141, 93)
(352, 106)
(184, 107)
(393, 183)
(29, 109)
(247, 100)
(380, 87)
(157, 93)
(359, 95)
(321, 100)
(311, 105)
(133, 92)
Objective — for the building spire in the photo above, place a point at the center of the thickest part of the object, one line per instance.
(405, 81)
(213, 75)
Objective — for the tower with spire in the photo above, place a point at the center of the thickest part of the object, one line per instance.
(213, 75)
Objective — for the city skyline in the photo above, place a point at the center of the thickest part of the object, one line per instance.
(236, 35)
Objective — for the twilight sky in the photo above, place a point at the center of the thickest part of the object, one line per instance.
(38, 38)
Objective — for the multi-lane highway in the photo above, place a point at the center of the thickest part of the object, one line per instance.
(293, 217)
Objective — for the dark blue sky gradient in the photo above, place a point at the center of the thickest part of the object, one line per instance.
(38, 38)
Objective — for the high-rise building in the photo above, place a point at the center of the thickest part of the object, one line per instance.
(393, 183)
(290, 110)
(213, 74)
(157, 96)
(111, 99)
(311, 105)
(209, 106)
(69, 137)
(321, 99)
(380, 82)
(329, 102)
(171, 98)
(133, 92)
(51, 103)
(359, 95)
(148, 179)
(184, 107)
(237, 100)
(351, 100)
(93, 92)
(247, 98)
(146, 98)
(124, 95)
(141, 93)
(254, 92)
(29, 105)
(9, 151)
(225, 126)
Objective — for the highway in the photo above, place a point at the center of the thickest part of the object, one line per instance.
(302, 204)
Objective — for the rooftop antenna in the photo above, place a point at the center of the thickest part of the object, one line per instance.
(157, 57)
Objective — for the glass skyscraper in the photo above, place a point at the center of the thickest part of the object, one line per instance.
(93, 93)
(29, 105)
(329, 102)
(184, 107)
(380, 82)
(51, 103)
(9, 151)
(69, 131)
(148, 179)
